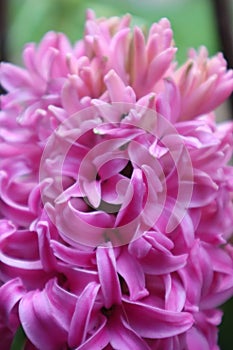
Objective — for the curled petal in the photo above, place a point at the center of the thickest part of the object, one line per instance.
(130, 269)
(42, 313)
(151, 322)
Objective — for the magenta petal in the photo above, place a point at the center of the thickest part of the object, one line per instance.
(151, 322)
(175, 294)
(221, 287)
(87, 228)
(78, 278)
(10, 294)
(108, 276)
(133, 202)
(162, 61)
(138, 69)
(204, 190)
(57, 297)
(171, 343)
(70, 98)
(160, 260)
(196, 340)
(98, 340)
(81, 317)
(168, 103)
(20, 257)
(44, 318)
(47, 258)
(139, 247)
(112, 167)
(16, 256)
(114, 189)
(122, 336)
(132, 272)
(73, 256)
(117, 90)
(119, 50)
(35, 322)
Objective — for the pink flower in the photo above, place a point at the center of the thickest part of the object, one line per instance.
(204, 83)
(115, 193)
(100, 312)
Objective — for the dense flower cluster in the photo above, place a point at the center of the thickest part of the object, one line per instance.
(115, 194)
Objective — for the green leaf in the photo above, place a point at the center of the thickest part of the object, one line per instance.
(19, 340)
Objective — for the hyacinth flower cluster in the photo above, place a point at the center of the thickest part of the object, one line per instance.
(115, 193)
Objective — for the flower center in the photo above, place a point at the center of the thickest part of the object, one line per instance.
(107, 312)
(128, 170)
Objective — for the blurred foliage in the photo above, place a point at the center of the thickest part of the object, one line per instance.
(225, 334)
(192, 22)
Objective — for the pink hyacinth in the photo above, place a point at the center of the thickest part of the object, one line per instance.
(115, 193)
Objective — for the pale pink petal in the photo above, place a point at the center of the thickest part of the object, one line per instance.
(13, 77)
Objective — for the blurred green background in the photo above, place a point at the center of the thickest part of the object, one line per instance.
(192, 20)
(193, 24)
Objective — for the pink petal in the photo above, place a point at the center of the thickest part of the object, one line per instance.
(151, 322)
(99, 340)
(130, 269)
(44, 318)
(10, 294)
(13, 77)
(73, 256)
(168, 103)
(133, 201)
(196, 340)
(122, 336)
(81, 317)
(117, 90)
(109, 281)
